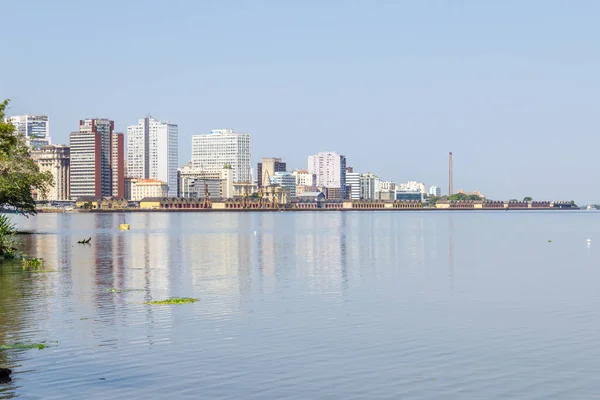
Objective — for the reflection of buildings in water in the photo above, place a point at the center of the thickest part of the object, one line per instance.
(319, 247)
(276, 252)
(149, 254)
(220, 259)
(406, 246)
(415, 232)
(451, 250)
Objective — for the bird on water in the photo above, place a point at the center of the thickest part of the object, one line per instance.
(5, 375)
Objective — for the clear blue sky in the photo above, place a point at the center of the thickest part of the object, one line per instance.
(510, 87)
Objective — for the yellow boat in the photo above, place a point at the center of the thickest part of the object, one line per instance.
(124, 227)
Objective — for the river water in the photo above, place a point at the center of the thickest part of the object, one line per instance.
(323, 305)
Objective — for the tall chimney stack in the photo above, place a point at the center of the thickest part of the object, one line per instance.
(450, 189)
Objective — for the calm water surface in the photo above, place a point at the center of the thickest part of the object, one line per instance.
(405, 305)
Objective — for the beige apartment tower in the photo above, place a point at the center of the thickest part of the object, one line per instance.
(56, 159)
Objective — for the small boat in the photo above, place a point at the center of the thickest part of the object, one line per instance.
(591, 207)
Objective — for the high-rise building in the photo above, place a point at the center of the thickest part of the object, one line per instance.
(435, 191)
(412, 186)
(35, 129)
(56, 159)
(330, 169)
(97, 160)
(387, 191)
(152, 152)
(369, 186)
(286, 180)
(305, 181)
(353, 183)
(267, 169)
(223, 147)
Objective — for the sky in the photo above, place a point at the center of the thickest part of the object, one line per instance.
(511, 87)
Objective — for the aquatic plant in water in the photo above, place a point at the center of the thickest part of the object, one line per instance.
(7, 233)
(173, 300)
(32, 262)
(23, 346)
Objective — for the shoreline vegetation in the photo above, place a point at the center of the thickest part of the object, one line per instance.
(19, 175)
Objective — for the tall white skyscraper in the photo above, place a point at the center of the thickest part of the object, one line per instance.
(152, 152)
(223, 147)
(353, 181)
(35, 129)
(369, 186)
(330, 169)
(435, 191)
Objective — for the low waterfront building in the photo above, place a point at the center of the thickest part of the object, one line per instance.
(195, 183)
(100, 203)
(409, 195)
(312, 196)
(496, 204)
(174, 203)
(387, 195)
(137, 189)
(244, 189)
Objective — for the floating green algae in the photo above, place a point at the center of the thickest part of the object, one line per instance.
(23, 346)
(173, 300)
(32, 262)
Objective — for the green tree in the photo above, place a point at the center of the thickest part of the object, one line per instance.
(18, 172)
(464, 196)
(527, 198)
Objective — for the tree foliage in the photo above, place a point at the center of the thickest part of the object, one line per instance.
(19, 174)
(7, 233)
(527, 198)
(454, 197)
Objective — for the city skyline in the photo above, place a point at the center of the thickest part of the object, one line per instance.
(510, 88)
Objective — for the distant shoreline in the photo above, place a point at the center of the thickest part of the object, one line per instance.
(243, 210)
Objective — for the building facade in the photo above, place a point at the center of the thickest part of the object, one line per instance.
(409, 195)
(369, 186)
(286, 180)
(97, 160)
(152, 151)
(330, 170)
(56, 159)
(412, 186)
(305, 181)
(267, 169)
(387, 190)
(223, 147)
(197, 183)
(435, 191)
(137, 189)
(353, 184)
(35, 129)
